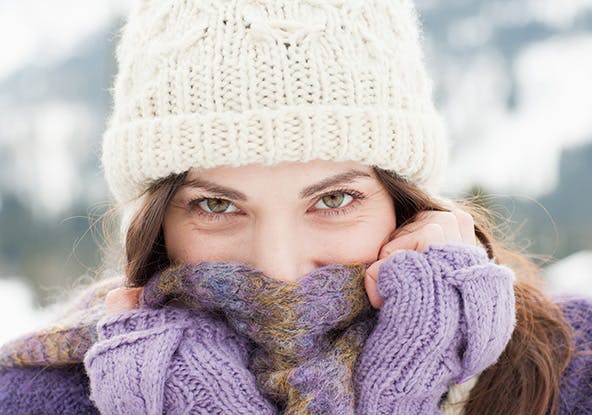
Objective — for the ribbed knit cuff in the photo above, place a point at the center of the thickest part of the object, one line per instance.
(175, 143)
(445, 260)
(488, 317)
(449, 258)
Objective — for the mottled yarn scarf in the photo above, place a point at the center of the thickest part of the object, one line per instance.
(306, 336)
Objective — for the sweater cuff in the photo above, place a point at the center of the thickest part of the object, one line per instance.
(142, 319)
(409, 266)
(449, 258)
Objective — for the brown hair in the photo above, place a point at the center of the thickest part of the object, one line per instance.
(527, 374)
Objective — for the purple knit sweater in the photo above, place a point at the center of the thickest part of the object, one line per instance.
(167, 361)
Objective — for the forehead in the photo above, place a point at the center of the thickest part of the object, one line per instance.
(289, 180)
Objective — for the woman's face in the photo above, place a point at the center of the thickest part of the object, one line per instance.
(285, 220)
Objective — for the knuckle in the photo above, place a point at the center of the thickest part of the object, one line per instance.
(122, 295)
(405, 230)
(448, 218)
(464, 217)
(433, 230)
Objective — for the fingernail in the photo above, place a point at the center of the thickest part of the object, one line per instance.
(395, 252)
(371, 276)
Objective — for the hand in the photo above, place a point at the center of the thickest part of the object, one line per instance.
(122, 299)
(431, 227)
(448, 314)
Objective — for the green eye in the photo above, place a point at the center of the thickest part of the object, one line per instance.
(214, 205)
(217, 205)
(334, 200)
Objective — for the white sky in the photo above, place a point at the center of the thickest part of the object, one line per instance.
(520, 150)
(19, 316)
(59, 25)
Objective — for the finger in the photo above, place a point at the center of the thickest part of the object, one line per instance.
(449, 222)
(371, 285)
(450, 226)
(431, 233)
(122, 299)
(466, 226)
(421, 219)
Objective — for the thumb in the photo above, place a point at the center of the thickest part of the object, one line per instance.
(371, 284)
(372, 278)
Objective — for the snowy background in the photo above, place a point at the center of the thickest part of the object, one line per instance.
(513, 79)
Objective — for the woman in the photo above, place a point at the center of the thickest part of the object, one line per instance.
(277, 164)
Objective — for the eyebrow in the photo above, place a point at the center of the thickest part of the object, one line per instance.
(341, 178)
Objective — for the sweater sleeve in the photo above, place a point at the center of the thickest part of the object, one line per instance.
(448, 314)
(45, 390)
(171, 360)
(576, 383)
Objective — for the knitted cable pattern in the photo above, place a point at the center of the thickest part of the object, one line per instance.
(208, 83)
(171, 361)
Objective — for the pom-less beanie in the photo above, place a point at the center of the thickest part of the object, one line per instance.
(232, 82)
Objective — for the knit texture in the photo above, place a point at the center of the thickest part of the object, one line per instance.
(65, 390)
(576, 384)
(171, 361)
(208, 83)
(228, 339)
(451, 313)
(307, 335)
(39, 390)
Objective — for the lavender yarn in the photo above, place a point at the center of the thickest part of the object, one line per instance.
(451, 313)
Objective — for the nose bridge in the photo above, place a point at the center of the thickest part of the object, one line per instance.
(278, 248)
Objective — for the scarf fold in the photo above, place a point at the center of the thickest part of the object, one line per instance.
(306, 336)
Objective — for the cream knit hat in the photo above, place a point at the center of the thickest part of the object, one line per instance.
(233, 82)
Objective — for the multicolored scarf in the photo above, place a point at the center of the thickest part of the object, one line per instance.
(306, 336)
